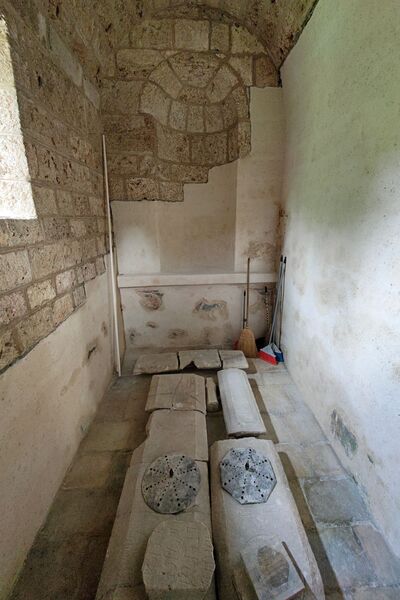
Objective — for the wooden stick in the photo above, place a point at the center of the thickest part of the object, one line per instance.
(248, 292)
(110, 243)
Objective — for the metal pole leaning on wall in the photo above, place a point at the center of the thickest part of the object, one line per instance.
(112, 266)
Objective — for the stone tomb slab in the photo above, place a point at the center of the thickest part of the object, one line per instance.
(236, 525)
(202, 359)
(175, 431)
(177, 392)
(233, 359)
(212, 398)
(134, 524)
(156, 363)
(241, 414)
(179, 562)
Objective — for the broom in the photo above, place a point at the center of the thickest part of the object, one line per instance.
(247, 342)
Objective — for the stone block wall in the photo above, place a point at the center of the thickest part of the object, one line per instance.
(175, 102)
(50, 153)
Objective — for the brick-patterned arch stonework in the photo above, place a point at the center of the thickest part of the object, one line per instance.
(176, 103)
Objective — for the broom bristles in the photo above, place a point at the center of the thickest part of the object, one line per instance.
(247, 343)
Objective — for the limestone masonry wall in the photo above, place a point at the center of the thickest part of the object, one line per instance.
(50, 151)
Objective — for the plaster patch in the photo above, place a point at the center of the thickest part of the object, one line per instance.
(343, 434)
(150, 299)
(258, 249)
(176, 333)
(211, 310)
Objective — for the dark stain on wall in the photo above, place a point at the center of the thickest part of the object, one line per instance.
(173, 334)
(152, 324)
(342, 433)
(211, 310)
(150, 299)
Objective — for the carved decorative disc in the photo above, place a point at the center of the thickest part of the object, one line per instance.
(171, 483)
(247, 475)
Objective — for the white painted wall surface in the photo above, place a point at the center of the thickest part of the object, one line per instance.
(213, 231)
(259, 183)
(342, 190)
(47, 402)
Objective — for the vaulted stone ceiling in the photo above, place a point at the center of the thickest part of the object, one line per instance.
(276, 23)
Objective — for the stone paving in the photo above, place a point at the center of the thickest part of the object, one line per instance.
(66, 559)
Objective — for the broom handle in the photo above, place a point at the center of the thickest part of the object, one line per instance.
(276, 302)
(248, 292)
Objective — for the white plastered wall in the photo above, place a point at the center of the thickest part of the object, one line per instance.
(215, 229)
(341, 88)
(47, 402)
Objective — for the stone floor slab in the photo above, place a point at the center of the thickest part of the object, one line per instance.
(376, 593)
(342, 560)
(335, 501)
(201, 359)
(104, 437)
(235, 525)
(89, 471)
(386, 564)
(183, 391)
(241, 413)
(233, 359)
(306, 462)
(156, 363)
(300, 427)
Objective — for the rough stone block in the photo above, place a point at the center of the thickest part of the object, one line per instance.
(233, 359)
(178, 115)
(277, 517)
(220, 37)
(40, 293)
(243, 65)
(210, 149)
(64, 57)
(12, 307)
(100, 266)
(244, 42)
(15, 270)
(265, 73)
(79, 296)
(121, 96)
(173, 146)
(153, 34)
(62, 308)
(155, 102)
(191, 35)
(35, 327)
(213, 118)
(171, 192)
(241, 413)
(134, 63)
(165, 77)
(222, 84)
(212, 399)
(196, 71)
(195, 120)
(178, 562)
(177, 392)
(142, 188)
(8, 349)
(201, 359)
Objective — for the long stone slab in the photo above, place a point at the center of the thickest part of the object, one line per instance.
(233, 359)
(175, 431)
(177, 392)
(202, 359)
(156, 363)
(240, 409)
(134, 523)
(235, 525)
